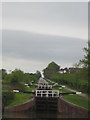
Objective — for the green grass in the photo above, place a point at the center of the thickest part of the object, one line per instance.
(78, 100)
(61, 90)
(19, 98)
(75, 99)
(30, 89)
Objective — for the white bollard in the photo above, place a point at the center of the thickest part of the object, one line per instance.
(63, 86)
(16, 91)
(26, 84)
(78, 93)
(60, 88)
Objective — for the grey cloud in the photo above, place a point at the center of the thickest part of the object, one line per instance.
(69, 19)
(46, 9)
(68, 13)
(32, 46)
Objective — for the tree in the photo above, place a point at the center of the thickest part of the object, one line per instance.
(51, 69)
(7, 98)
(38, 74)
(4, 74)
(16, 76)
(76, 65)
(85, 62)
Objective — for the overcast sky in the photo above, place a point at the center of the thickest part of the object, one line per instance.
(34, 34)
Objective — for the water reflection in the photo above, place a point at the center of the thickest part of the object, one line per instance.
(42, 115)
(30, 115)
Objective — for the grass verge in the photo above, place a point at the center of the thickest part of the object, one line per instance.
(19, 98)
(78, 100)
(75, 99)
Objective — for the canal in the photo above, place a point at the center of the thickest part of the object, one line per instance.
(41, 115)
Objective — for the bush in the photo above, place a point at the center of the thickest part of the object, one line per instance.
(7, 98)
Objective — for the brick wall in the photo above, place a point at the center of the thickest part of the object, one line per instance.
(23, 107)
(66, 107)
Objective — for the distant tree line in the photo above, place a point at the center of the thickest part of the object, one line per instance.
(17, 76)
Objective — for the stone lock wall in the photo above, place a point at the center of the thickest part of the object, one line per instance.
(66, 107)
(23, 107)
